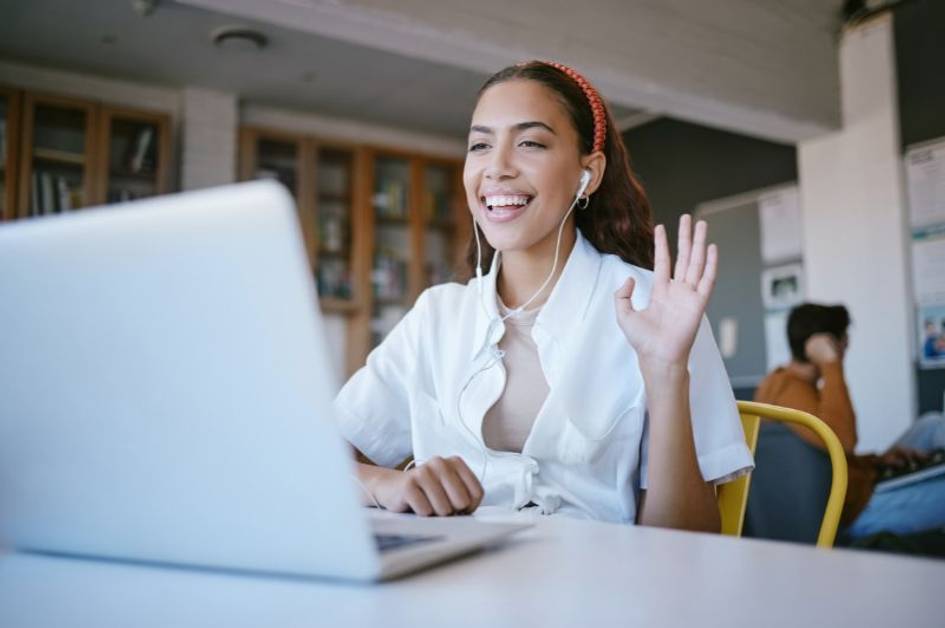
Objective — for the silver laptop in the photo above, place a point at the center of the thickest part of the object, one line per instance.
(165, 396)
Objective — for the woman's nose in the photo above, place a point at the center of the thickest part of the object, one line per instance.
(500, 164)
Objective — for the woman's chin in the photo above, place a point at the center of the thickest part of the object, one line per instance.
(505, 242)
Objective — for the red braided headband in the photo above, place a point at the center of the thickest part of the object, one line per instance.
(593, 99)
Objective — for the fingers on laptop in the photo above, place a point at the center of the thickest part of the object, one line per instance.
(443, 486)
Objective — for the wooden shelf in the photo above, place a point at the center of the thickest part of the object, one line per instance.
(392, 221)
(61, 156)
(390, 301)
(441, 225)
(149, 177)
(328, 196)
(334, 305)
(333, 254)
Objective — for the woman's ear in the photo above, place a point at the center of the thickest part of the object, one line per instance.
(595, 163)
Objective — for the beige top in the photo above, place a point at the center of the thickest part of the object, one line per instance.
(509, 421)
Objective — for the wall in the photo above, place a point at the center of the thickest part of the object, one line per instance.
(683, 165)
(920, 51)
(854, 225)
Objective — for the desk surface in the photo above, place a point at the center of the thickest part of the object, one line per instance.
(562, 572)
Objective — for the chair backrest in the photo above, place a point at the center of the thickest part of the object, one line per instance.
(733, 496)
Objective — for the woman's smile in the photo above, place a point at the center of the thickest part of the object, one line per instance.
(499, 206)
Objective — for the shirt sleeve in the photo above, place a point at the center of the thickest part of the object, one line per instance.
(716, 426)
(373, 408)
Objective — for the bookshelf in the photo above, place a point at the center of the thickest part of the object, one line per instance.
(321, 178)
(380, 225)
(9, 145)
(418, 235)
(62, 154)
(56, 161)
(134, 156)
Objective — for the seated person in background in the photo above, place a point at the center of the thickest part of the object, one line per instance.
(814, 382)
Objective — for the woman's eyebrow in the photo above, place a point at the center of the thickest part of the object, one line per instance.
(521, 126)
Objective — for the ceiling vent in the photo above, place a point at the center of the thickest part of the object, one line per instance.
(240, 38)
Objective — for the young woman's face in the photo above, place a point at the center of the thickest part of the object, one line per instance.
(523, 164)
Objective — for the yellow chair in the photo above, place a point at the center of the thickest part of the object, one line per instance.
(733, 496)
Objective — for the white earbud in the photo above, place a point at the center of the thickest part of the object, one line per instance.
(585, 181)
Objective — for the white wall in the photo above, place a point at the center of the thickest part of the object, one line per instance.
(209, 137)
(855, 234)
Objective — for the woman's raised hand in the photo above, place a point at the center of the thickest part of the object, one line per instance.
(663, 333)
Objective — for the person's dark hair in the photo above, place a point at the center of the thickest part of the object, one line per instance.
(618, 218)
(808, 319)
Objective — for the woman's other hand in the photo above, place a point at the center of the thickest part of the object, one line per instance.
(663, 333)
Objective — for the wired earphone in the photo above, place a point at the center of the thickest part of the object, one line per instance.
(582, 187)
(498, 354)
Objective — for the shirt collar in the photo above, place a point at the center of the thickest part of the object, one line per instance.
(567, 303)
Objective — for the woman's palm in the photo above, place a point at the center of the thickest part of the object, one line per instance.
(664, 332)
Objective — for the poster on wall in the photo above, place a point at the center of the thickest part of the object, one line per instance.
(779, 213)
(782, 286)
(925, 177)
(928, 266)
(931, 336)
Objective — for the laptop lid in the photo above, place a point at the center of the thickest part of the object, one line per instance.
(166, 389)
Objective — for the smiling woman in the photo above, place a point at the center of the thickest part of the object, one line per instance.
(564, 375)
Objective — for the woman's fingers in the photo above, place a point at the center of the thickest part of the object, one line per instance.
(707, 282)
(454, 486)
(416, 499)
(624, 296)
(661, 259)
(473, 487)
(697, 256)
(432, 487)
(443, 487)
(683, 247)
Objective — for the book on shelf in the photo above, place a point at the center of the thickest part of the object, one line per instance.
(332, 234)
(64, 194)
(3, 142)
(333, 279)
(389, 276)
(389, 201)
(138, 157)
(34, 194)
(52, 194)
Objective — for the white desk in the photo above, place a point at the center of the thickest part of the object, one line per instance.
(560, 573)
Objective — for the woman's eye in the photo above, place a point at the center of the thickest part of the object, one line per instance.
(530, 144)
(478, 146)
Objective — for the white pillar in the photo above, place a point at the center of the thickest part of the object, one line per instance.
(855, 233)
(209, 138)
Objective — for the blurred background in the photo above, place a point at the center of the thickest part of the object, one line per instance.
(810, 133)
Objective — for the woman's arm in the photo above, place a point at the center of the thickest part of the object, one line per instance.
(677, 496)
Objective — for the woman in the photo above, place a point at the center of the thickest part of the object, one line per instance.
(567, 377)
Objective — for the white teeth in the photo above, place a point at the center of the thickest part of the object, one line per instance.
(505, 201)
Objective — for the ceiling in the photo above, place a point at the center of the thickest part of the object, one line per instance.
(297, 70)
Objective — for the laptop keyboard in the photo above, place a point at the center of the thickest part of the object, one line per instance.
(387, 542)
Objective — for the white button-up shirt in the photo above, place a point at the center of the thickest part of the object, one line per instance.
(425, 390)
